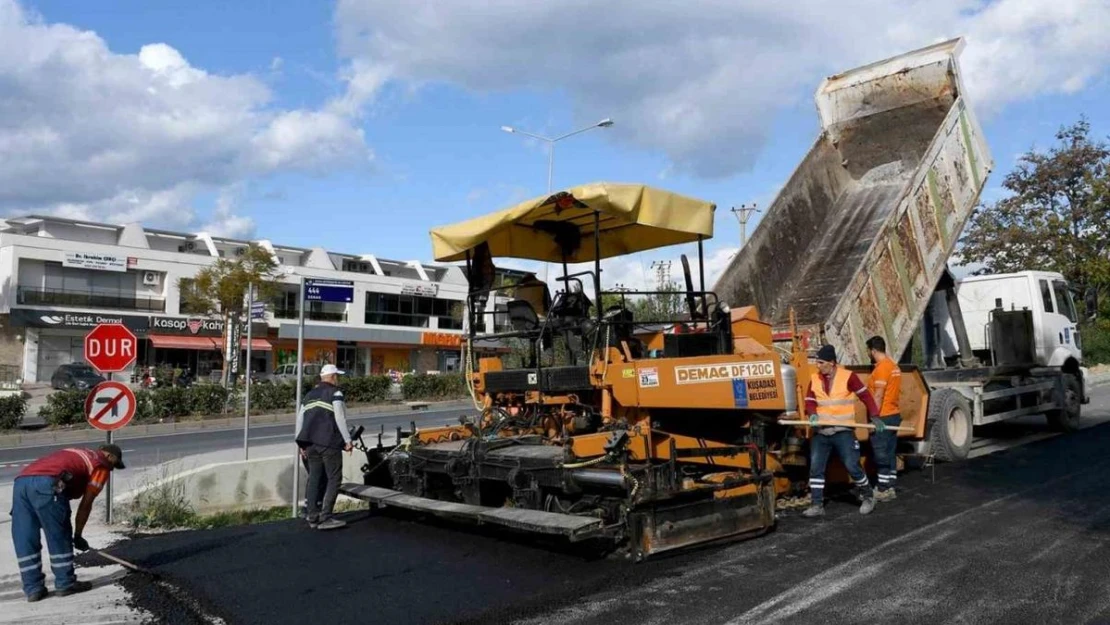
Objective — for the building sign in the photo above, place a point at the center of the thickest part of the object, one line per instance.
(423, 290)
(38, 318)
(197, 326)
(441, 339)
(99, 262)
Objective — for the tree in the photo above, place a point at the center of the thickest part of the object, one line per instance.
(220, 290)
(1056, 217)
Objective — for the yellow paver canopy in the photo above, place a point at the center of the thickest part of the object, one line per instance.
(632, 218)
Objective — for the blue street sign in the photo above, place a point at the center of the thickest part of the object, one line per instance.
(258, 310)
(342, 291)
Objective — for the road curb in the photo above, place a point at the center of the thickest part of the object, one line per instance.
(89, 435)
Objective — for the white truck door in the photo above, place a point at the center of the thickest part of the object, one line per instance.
(1051, 350)
(1066, 337)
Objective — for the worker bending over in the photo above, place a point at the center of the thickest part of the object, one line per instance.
(40, 503)
(886, 385)
(832, 399)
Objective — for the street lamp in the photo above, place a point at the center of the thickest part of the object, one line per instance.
(605, 123)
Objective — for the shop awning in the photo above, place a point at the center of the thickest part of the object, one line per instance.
(166, 341)
(257, 345)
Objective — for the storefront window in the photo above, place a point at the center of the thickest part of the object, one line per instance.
(412, 311)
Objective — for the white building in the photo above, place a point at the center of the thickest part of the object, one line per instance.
(61, 277)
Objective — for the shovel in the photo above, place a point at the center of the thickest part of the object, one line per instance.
(132, 566)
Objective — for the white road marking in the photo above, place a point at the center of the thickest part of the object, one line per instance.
(820, 587)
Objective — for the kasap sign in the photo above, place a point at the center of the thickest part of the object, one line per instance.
(197, 326)
(100, 262)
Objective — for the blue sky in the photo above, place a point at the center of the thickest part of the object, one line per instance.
(433, 126)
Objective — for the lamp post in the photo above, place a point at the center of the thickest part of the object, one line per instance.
(605, 123)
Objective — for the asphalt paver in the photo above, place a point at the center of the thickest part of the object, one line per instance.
(1017, 536)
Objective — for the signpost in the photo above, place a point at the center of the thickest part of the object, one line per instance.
(314, 290)
(110, 347)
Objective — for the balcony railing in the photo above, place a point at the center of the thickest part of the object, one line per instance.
(313, 315)
(35, 296)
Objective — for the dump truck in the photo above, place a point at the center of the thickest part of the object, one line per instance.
(857, 244)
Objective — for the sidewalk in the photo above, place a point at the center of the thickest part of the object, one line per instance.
(89, 435)
(107, 602)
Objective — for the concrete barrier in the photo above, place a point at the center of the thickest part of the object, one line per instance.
(262, 482)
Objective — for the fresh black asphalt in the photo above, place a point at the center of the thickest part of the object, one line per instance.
(1019, 536)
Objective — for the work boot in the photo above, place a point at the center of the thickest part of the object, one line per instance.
(867, 506)
(75, 588)
(331, 524)
(814, 510)
(885, 495)
(38, 595)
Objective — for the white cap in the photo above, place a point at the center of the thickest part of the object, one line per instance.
(330, 370)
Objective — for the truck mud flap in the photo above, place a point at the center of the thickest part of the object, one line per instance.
(568, 525)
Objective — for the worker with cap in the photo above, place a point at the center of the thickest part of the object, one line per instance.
(322, 436)
(831, 400)
(40, 503)
(885, 385)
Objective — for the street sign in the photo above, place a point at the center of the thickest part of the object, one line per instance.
(258, 310)
(111, 347)
(109, 406)
(342, 291)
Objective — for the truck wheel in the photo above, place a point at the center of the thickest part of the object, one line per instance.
(949, 425)
(1067, 419)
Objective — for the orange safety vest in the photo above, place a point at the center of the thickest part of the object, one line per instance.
(839, 404)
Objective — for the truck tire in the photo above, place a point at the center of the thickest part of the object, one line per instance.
(1067, 419)
(949, 425)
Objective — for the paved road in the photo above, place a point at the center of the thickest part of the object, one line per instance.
(152, 450)
(1020, 535)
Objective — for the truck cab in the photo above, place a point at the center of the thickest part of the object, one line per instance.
(1045, 294)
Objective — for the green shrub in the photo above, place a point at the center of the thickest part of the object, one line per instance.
(272, 397)
(207, 399)
(1096, 342)
(144, 409)
(65, 407)
(431, 387)
(11, 411)
(365, 389)
(168, 402)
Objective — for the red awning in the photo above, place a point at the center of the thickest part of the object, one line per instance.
(166, 341)
(257, 345)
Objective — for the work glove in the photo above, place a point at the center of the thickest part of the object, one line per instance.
(879, 425)
(813, 419)
(80, 543)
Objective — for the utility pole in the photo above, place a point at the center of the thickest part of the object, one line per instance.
(662, 273)
(742, 214)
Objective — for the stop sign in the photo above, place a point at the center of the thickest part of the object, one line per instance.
(110, 347)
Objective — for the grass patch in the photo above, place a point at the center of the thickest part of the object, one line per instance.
(239, 517)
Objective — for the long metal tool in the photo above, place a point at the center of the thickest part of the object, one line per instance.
(867, 426)
(127, 564)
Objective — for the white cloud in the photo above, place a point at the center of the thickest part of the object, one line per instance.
(88, 131)
(703, 80)
(223, 223)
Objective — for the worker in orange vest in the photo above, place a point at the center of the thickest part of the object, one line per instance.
(831, 399)
(886, 386)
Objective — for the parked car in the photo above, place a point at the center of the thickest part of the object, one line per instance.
(288, 373)
(75, 375)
